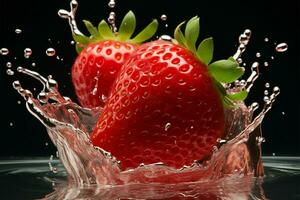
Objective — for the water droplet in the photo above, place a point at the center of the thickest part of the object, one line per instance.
(18, 102)
(258, 55)
(276, 90)
(72, 42)
(266, 64)
(266, 39)
(247, 32)
(283, 113)
(272, 57)
(18, 31)
(4, 51)
(167, 126)
(273, 154)
(50, 52)
(111, 4)
(254, 106)
(11, 124)
(33, 64)
(163, 17)
(266, 99)
(267, 85)
(8, 65)
(244, 39)
(239, 60)
(46, 144)
(166, 38)
(282, 47)
(10, 72)
(27, 52)
(166, 25)
(266, 92)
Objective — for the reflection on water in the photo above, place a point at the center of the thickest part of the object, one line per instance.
(32, 179)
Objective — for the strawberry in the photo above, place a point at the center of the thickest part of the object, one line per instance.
(101, 56)
(167, 103)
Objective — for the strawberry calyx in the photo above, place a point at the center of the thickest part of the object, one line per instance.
(222, 71)
(104, 32)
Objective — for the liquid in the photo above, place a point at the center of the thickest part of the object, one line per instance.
(32, 179)
(236, 160)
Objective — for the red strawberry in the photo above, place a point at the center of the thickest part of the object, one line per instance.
(166, 104)
(101, 57)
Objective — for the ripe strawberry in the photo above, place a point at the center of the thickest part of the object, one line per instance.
(166, 103)
(101, 56)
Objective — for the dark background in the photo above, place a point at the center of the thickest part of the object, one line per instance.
(224, 20)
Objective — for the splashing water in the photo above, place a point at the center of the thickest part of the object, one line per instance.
(238, 156)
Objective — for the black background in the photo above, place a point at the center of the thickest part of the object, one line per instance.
(224, 20)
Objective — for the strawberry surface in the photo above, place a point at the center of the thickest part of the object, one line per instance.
(101, 56)
(163, 107)
(95, 70)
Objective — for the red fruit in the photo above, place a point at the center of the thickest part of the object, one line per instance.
(101, 57)
(95, 70)
(164, 106)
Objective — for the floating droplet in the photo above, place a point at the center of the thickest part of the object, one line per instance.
(272, 57)
(4, 51)
(50, 52)
(166, 25)
(163, 17)
(273, 154)
(111, 4)
(266, 92)
(282, 47)
(18, 31)
(283, 113)
(266, 99)
(166, 38)
(72, 42)
(266, 39)
(33, 64)
(247, 32)
(27, 52)
(243, 39)
(8, 65)
(266, 64)
(258, 55)
(267, 85)
(11, 124)
(10, 72)
(18, 102)
(167, 126)
(239, 60)
(46, 144)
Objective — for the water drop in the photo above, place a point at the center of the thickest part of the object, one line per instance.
(276, 90)
(243, 39)
(282, 47)
(254, 106)
(239, 60)
(163, 17)
(50, 52)
(46, 144)
(266, 99)
(266, 39)
(283, 113)
(10, 72)
(267, 85)
(258, 55)
(18, 102)
(4, 51)
(8, 65)
(11, 124)
(273, 154)
(266, 92)
(27, 52)
(16, 85)
(247, 32)
(266, 64)
(72, 42)
(272, 57)
(111, 4)
(18, 31)
(166, 25)
(166, 38)
(33, 64)
(167, 126)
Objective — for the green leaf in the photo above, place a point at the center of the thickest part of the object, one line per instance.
(147, 33)
(82, 39)
(192, 30)
(179, 35)
(127, 26)
(104, 30)
(240, 96)
(91, 28)
(225, 71)
(205, 50)
(227, 102)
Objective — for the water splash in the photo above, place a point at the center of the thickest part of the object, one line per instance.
(282, 47)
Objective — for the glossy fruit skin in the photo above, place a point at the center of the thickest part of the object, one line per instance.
(96, 67)
(163, 107)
